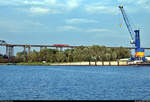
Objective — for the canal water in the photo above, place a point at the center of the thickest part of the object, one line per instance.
(74, 83)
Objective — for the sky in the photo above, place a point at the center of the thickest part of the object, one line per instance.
(73, 22)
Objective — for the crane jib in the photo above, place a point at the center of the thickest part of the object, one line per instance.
(127, 23)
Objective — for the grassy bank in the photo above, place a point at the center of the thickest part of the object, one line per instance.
(33, 63)
(23, 63)
(3, 63)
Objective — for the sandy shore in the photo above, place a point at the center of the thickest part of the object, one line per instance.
(99, 63)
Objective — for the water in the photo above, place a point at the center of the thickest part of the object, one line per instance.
(74, 83)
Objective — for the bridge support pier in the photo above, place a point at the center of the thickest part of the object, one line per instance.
(59, 48)
(29, 49)
(24, 49)
(43, 48)
(10, 51)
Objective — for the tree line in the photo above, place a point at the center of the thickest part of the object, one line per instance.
(78, 54)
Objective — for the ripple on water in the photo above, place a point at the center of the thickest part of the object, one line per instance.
(74, 83)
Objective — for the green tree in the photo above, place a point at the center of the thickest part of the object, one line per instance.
(69, 55)
(60, 56)
(78, 54)
(21, 56)
(33, 56)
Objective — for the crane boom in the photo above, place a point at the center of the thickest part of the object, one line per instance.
(127, 23)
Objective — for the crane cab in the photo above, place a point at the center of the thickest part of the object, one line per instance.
(132, 42)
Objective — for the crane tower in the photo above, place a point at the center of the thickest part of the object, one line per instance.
(135, 36)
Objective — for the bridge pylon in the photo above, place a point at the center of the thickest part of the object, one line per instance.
(9, 51)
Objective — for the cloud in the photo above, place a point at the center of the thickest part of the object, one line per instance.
(108, 7)
(98, 30)
(10, 2)
(63, 6)
(68, 28)
(43, 6)
(79, 20)
(148, 7)
(85, 30)
(71, 4)
(101, 7)
(51, 1)
(26, 2)
(58, 7)
(40, 7)
(139, 2)
(126, 1)
(145, 4)
(8, 25)
(39, 10)
(22, 2)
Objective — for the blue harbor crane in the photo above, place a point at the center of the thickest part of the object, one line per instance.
(135, 38)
